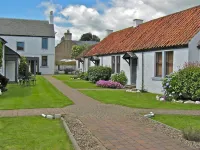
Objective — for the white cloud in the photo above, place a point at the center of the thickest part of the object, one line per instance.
(59, 20)
(115, 14)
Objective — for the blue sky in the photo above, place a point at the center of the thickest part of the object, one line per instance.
(28, 9)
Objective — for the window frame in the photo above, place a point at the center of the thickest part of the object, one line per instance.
(118, 63)
(46, 61)
(167, 63)
(17, 45)
(157, 63)
(113, 64)
(46, 44)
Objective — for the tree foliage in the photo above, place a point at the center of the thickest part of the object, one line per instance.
(23, 66)
(78, 49)
(89, 37)
(1, 54)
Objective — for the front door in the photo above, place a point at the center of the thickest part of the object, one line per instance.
(32, 66)
(10, 70)
(133, 66)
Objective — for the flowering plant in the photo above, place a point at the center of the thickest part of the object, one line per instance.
(109, 84)
(184, 84)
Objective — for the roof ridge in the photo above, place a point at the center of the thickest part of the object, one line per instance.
(23, 19)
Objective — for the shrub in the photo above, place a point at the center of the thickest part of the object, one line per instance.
(120, 77)
(67, 70)
(109, 84)
(97, 73)
(183, 84)
(191, 134)
(85, 76)
(23, 66)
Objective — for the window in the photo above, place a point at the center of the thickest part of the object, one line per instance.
(97, 62)
(159, 64)
(113, 64)
(44, 60)
(118, 64)
(169, 62)
(44, 43)
(20, 46)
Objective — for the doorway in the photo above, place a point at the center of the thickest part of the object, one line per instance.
(133, 69)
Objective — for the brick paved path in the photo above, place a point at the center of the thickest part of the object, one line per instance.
(111, 124)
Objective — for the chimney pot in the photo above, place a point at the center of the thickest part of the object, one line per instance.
(137, 22)
(68, 35)
(51, 18)
(108, 32)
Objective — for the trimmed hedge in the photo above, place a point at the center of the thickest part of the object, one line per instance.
(97, 73)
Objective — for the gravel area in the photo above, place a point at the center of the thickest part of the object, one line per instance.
(168, 130)
(82, 135)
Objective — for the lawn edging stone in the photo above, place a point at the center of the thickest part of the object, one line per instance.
(168, 130)
(75, 145)
(84, 139)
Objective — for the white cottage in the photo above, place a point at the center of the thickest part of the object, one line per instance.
(149, 51)
(34, 39)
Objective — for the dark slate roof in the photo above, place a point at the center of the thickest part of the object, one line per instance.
(2, 40)
(9, 51)
(21, 27)
(85, 42)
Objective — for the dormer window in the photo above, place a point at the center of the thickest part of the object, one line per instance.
(44, 43)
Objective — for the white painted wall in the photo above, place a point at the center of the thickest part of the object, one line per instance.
(150, 84)
(194, 54)
(33, 48)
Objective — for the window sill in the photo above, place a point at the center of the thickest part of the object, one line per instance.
(44, 67)
(157, 78)
(44, 49)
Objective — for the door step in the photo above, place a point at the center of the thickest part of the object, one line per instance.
(130, 86)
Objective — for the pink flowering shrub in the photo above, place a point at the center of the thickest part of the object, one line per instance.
(109, 84)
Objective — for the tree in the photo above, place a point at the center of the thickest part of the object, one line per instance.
(89, 37)
(78, 49)
(23, 66)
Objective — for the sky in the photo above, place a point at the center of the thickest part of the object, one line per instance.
(95, 16)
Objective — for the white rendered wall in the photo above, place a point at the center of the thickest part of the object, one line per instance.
(33, 48)
(194, 54)
(150, 84)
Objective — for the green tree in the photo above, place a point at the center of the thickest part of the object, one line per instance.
(89, 37)
(1, 53)
(23, 66)
(78, 49)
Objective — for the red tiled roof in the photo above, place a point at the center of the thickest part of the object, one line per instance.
(172, 30)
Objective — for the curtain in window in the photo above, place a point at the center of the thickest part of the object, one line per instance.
(113, 64)
(118, 64)
(44, 60)
(159, 64)
(169, 62)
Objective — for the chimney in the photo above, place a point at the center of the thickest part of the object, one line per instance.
(109, 32)
(137, 22)
(68, 35)
(51, 18)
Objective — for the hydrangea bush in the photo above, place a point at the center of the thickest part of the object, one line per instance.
(109, 84)
(184, 84)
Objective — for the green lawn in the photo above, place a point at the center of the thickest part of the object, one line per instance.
(75, 83)
(135, 100)
(33, 133)
(42, 95)
(179, 121)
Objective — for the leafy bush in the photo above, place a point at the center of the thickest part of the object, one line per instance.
(97, 73)
(109, 84)
(184, 84)
(191, 134)
(120, 77)
(85, 76)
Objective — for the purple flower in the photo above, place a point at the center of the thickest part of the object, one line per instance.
(109, 84)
